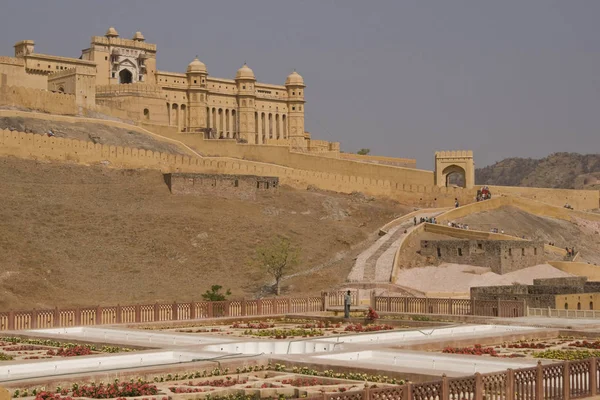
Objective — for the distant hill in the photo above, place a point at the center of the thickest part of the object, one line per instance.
(558, 170)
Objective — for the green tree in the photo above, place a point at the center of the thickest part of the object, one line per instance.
(214, 294)
(277, 258)
(363, 152)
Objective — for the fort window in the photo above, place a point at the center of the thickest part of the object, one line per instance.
(293, 108)
(195, 81)
(480, 246)
(579, 306)
(460, 252)
(236, 183)
(146, 113)
(535, 251)
(523, 252)
(439, 252)
(566, 306)
(510, 252)
(591, 305)
(293, 93)
(105, 58)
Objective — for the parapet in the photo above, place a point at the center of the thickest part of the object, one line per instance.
(244, 187)
(454, 154)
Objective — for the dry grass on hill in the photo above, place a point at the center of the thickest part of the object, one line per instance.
(91, 132)
(74, 235)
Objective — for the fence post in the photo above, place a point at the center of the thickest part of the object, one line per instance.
(119, 314)
(138, 313)
(405, 304)
(259, 306)
(539, 381)
(593, 377)
(210, 309)
(499, 305)
(11, 320)
(174, 312)
(77, 316)
(450, 306)
(409, 394)
(56, 317)
(243, 312)
(98, 315)
(192, 310)
(373, 300)
(426, 306)
(156, 312)
(444, 395)
(473, 304)
(478, 387)
(289, 305)
(566, 381)
(366, 395)
(510, 385)
(34, 315)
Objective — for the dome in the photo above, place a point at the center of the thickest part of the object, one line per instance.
(138, 37)
(197, 66)
(112, 32)
(245, 73)
(294, 79)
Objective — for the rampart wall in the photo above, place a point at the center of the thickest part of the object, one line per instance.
(37, 99)
(41, 147)
(12, 72)
(589, 271)
(579, 199)
(393, 161)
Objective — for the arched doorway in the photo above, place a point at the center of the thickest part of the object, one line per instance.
(453, 175)
(146, 114)
(125, 76)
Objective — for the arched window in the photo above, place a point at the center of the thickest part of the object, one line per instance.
(146, 113)
(591, 305)
(61, 89)
(566, 306)
(579, 306)
(125, 76)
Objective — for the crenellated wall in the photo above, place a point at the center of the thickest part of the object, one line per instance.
(37, 99)
(32, 146)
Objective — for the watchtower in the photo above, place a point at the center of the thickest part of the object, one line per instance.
(460, 162)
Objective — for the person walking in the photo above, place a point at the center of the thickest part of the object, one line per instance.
(347, 302)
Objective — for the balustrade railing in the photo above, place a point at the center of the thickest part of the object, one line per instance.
(558, 381)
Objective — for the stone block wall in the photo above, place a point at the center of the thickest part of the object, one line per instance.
(245, 187)
(502, 256)
(543, 293)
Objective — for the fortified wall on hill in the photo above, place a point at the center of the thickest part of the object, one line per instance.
(260, 125)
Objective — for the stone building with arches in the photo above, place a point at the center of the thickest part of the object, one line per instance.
(121, 74)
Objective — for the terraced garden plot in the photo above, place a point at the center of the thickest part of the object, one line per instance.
(561, 348)
(286, 329)
(17, 349)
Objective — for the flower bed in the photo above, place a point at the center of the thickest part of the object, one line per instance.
(476, 350)
(367, 328)
(567, 354)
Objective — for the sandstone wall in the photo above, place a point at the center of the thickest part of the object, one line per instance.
(393, 161)
(12, 73)
(39, 100)
(578, 199)
(245, 187)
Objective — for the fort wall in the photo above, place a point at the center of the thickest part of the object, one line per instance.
(501, 256)
(590, 271)
(245, 187)
(37, 99)
(393, 161)
(579, 199)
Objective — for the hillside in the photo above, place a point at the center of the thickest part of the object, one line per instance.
(74, 235)
(558, 170)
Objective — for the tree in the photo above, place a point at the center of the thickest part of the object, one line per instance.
(214, 294)
(277, 258)
(363, 152)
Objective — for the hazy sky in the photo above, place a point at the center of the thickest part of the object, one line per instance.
(403, 78)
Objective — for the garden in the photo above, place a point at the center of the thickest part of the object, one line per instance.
(18, 348)
(284, 328)
(245, 383)
(561, 348)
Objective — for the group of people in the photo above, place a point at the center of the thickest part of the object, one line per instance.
(458, 225)
(429, 220)
(570, 251)
(495, 230)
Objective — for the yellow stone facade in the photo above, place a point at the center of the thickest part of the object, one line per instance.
(121, 75)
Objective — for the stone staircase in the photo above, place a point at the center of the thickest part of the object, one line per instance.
(375, 264)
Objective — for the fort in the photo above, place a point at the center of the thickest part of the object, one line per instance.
(260, 125)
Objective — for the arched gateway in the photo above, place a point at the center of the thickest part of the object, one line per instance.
(460, 162)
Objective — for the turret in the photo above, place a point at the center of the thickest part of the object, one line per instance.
(196, 78)
(295, 91)
(24, 47)
(245, 80)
